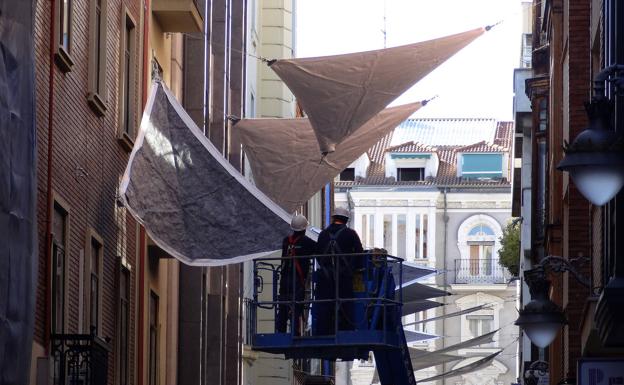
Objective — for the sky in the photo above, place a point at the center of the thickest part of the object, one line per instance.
(476, 82)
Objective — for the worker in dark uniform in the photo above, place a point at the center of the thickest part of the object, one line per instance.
(296, 244)
(337, 238)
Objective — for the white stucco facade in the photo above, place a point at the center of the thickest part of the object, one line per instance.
(386, 211)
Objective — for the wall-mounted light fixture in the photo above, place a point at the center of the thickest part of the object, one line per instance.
(541, 319)
(595, 159)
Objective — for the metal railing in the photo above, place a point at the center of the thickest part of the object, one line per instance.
(480, 271)
(267, 301)
(79, 359)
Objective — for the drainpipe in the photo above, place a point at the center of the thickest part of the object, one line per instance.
(445, 218)
(327, 207)
(142, 237)
(48, 251)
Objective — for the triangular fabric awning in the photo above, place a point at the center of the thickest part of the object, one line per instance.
(417, 291)
(419, 363)
(342, 92)
(474, 366)
(417, 306)
(411, 272)
(449, 315)
(422, 361)
(284, 157)
(484, 339)
(412, 336)
(192, 202)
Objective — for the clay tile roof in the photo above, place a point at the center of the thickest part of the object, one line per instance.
(504, 134)
(482, 146)
(410, 147)
(454, 135)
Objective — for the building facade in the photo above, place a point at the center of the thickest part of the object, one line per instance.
(106, 299)
(437, 193)
(572, 42)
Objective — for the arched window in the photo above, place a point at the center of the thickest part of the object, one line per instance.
(481, 230)
(478, 242)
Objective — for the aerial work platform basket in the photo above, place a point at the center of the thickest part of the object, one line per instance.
(363, 309)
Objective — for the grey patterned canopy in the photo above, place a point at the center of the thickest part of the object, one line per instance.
(192, 202)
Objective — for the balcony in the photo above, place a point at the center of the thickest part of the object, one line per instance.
(178, 15)
(79, 359)
(480, 272)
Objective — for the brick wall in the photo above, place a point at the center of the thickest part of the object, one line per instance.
(88, 162)
(578, 15)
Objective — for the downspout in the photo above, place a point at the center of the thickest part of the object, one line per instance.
(142, 237)
(241, 272)
(48, 251)
(327, 205)
(445, 218)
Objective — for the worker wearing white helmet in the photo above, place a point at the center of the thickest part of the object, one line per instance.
(294, 245)
(337, 238)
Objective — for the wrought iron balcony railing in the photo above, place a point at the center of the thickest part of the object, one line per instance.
(480, 271)
(79, 359)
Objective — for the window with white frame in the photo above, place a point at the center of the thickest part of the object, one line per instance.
(480, 324)
(387, 232)
(482, 321)
(368, 231)
(420, 233)
(478, 243)
(401, 250)
(482, 166)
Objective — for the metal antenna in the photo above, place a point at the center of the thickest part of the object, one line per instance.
(384, 30)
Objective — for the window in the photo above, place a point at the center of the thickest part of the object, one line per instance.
(59, 236)
(348, 174)
(128, 78)
(64, 24)
(368, 230)
(410, 174)
(481, 230)
(418, 236)
(124, 324)
(480, 324)
(481, 259)
(482, 166)
(387, 232)
(95, 269)
(401, 236)
(153, 339)
(477, 241)
(97, 57)
(425, 253)
(63, 32)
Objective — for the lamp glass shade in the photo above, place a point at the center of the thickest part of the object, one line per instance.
(542, 334)
(598, 183)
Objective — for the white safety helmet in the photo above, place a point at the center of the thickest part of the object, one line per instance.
(298, 223)
(341, 212)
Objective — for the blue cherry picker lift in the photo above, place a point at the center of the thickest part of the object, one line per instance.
(372, 314)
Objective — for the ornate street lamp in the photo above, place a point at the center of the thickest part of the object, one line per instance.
(541, 318)
(536, 371)
(595, 159)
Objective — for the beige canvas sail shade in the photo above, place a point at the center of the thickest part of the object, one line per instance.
(340, 93)
(285, 160)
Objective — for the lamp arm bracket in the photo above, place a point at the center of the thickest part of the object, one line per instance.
(561, 265)
(605, 75)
